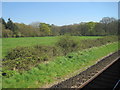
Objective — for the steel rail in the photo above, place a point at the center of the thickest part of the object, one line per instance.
(116, 85)
(89, 80)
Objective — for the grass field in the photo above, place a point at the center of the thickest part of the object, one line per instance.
(9, 43)
(58, 68)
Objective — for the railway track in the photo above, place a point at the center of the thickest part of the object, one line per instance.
(107, 79)
(104, 74)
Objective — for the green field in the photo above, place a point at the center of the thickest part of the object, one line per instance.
(9, 43)
(59, 67)
(47, 73)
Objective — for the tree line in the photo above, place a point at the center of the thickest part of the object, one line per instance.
(106, 26)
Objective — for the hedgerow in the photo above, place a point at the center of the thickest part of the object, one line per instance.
(21, 59)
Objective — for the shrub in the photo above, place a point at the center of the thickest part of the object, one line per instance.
(21, 52)
(24, 58)
(97, 42)
(49, 50)
(67, 44)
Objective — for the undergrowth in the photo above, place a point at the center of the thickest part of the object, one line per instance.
(46, 73)
(22, 59)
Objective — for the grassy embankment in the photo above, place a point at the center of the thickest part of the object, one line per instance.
(58, 68)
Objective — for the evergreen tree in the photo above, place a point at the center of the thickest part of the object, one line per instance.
(11, 26)
(4, 23)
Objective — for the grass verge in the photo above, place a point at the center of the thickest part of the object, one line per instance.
(58, 68)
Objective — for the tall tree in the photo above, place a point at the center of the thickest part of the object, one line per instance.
(4, 23)
(105, 21)
(55, 30)
(11, 26)
(45, 29)
(91, 26)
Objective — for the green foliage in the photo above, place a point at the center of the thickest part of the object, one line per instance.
(7, 33)
(27, 30)
(98, 42)
(58, 68)
(24, 58)
(20, 64)
(9, 73)
(11, 26)
(107, 26)
(68, 44)
(21, 52)
(91, 26)
(11, 43)
(4, 23)
(45, 29)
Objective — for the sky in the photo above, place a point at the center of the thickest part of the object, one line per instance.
(58, 13)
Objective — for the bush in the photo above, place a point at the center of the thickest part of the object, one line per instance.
(19, 64)
(21, 52)
(98, 42)
(67, 44)
(49, 50)
(24, 58)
